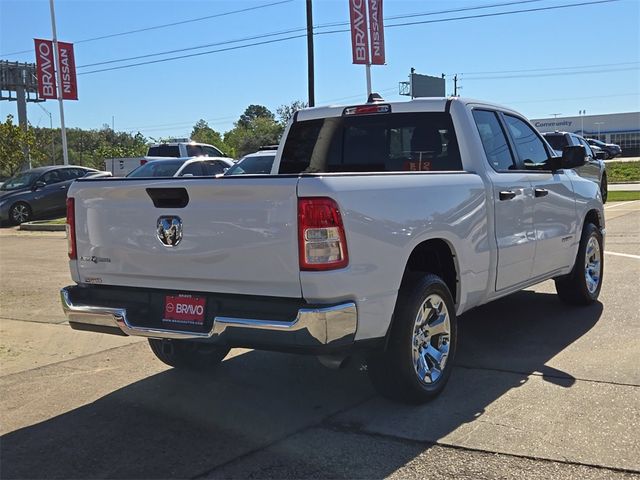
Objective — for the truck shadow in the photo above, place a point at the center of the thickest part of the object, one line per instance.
(177, 424)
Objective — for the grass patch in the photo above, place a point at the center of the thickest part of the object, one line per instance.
(623, 172)
(615, 196)
(53, 221)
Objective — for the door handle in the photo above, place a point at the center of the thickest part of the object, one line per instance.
(64, 187)
(507, 195)
(540, 192)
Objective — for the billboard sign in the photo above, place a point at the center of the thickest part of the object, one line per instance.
(67, 70)
(359, 34)
(45, 71)
(376, 29)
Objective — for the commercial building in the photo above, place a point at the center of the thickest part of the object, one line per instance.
(620, 128)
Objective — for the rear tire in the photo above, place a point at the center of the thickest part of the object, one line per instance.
(582, 286)
(188, 355)
(417, 363)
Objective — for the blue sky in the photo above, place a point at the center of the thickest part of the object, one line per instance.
(534, 53)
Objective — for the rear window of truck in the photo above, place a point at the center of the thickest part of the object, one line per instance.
(394, 142)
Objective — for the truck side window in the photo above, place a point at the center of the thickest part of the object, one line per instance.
(494, 141)
(529, 146)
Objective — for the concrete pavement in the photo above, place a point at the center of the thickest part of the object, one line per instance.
(540, 390)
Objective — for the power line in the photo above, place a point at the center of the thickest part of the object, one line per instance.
(551, 68)
(157, 27)
(557, 74)
(497, 14)
(194, 54)
(341, 31)
(167, 52)
(290, 31)
(516, 102)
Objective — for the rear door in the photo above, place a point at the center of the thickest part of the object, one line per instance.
(513, 203)
(554, 211)
(228, 235)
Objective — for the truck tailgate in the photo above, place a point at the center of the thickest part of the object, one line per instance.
(239, 235)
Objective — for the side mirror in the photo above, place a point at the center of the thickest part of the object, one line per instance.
(600, 155)
(572, 156)
(38, 184)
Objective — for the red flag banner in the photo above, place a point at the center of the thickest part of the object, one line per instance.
(359, 34)
(44, 70)
(67, 71)
(376, 29)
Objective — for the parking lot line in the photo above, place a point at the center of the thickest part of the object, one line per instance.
(623, 255)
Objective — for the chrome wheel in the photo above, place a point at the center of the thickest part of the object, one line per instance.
(20, 213)
(431, 338)
(592, 264)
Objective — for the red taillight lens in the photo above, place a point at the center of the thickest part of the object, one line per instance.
(143, 161)
(322, 244)
(367, 109)
(71, 228)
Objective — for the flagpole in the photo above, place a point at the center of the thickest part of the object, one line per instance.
(65, 153)
(368, 69)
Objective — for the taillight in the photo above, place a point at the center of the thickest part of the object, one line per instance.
(143, 161)
(322, 243)
(367, 109)
(71, 228)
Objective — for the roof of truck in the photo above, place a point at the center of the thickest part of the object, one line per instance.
(429, 104)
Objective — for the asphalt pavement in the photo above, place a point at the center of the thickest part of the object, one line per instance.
(540, 390)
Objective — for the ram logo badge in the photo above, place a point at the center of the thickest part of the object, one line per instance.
(169, 230)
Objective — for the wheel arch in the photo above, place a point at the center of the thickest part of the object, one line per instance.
(436, 256)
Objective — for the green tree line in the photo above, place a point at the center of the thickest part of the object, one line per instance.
(256, 127)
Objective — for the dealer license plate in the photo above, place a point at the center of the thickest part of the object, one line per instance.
(184, 309)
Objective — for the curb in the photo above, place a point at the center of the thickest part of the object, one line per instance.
(42, 227)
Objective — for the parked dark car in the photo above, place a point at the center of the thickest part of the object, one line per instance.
(38, 193)
(594, 167)
(611, 150)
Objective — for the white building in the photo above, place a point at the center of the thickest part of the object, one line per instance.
(619, 128)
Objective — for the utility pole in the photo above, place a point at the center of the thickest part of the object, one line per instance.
(65, 153)
(455, 85)
(310, 73)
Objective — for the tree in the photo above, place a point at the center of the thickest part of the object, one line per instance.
(253, 112)
(12, 141)
(286, 111)
(203, 133)
(260, 131)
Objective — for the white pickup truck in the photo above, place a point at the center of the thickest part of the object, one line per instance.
(378, 225)
(178, 148)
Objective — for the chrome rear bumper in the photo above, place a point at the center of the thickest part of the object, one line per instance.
(331, 325)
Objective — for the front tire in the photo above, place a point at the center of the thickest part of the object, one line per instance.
(188, 355)
(417, 363)
(582, 286)
(20, 212)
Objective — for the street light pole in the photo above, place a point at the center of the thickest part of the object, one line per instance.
(53, 150)
(598, 124)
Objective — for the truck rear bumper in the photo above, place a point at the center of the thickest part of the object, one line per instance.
(314, 327)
